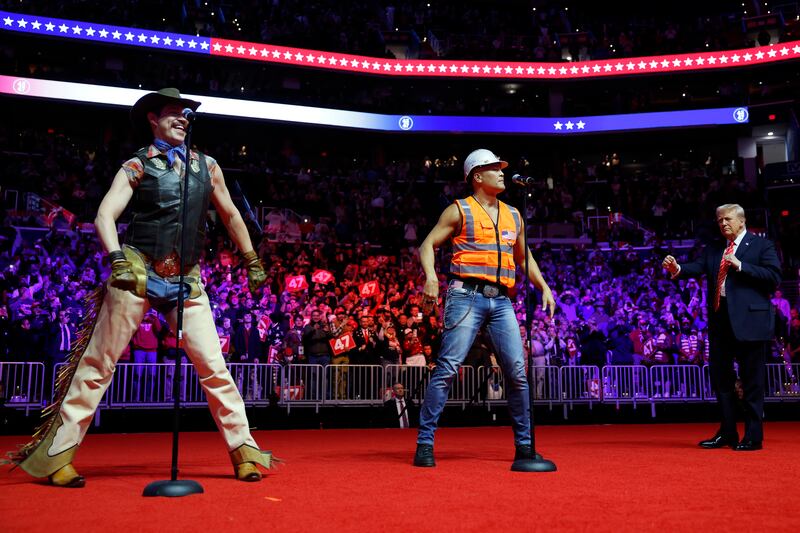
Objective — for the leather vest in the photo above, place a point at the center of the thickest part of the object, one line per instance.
(155, 226)
(482, 249)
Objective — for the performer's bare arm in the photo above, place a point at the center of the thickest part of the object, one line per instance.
(534, 274)
(447, 225)
(227, 211)
(112, 206)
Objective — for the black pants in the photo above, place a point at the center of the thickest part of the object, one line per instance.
(751, 356)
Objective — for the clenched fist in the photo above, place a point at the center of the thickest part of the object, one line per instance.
(671, 265)
(122, 276)
(256, 276)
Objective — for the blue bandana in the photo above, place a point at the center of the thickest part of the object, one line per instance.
(171, 151)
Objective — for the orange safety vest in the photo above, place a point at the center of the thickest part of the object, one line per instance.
(481, 249)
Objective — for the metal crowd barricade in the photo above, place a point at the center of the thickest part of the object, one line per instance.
(23, 384)
(463, 386)
(415, 379)
(492, 385)
(625, 383)
(150, 385)
(676, 383)
(354, 384)
(302, 385)
(708, 390)
(580, 384)
(257, 383)
(782, 382)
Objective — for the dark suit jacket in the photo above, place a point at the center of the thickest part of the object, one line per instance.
(747, 291)
(392, 416)
(257, 349)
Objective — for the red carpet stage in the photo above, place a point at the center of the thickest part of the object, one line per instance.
(610, 478)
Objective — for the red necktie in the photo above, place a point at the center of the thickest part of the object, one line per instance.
(722, 274)
(404, 423)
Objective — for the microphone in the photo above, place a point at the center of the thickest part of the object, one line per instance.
(522, 181)
(188, 114)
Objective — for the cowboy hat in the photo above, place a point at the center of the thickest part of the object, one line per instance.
(154, 102)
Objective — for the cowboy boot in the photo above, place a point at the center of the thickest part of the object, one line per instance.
(245, 458)
(58, 468)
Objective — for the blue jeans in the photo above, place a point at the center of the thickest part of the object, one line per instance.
(465, 312)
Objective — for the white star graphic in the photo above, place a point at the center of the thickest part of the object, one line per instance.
(409, 68)
(431, 68)
(376, 66)
(103, 33)
(76, 30)
(585, 69)
(723, 59)
(311, 58)
(253, 50)
(298, 56)
(569, 124)
(748, 56)
(486, 70)
(772, 52)
(8, 21)
(180, 43)
(700, 60)
(204, 45)
(277, 53)
(596, 68)
(654, 64)
(562, 70)
(90, 31)
(36, 24)
(167, 41)
(475, 69)
(22, 23)
(676, 62)
(287, 55)
(229, 48)
(453, 68)
(688, 61)
(49, 26)
(759, 55)
(784, 51)
(529, 71)
(540, 71)
(497, 69)
(128, 36)
(712, 60)
(217, 47)
(736, 58)
(398, 67)
(365, 64)
(551, 71)
(464, 68)
(607, 67)
(442, 68)
(573, 70)
(508, 70)
(193, 44)
(619, 66)
(518, 70)
(630, 66)
(63, 28)
(264, 52)
(142, 37)
(420, 68)
(241, 50)
(796, 49)
(154, 39)
(580, 124)
(665, 63)
(557, 125)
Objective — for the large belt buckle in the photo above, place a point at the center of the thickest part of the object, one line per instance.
(490, 291)
(169, 266)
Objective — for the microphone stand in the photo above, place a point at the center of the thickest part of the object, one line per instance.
(537, 463)
(175, 487)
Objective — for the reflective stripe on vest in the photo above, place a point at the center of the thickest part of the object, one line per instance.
(476, 250)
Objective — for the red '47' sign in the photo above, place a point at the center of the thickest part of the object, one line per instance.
(342, 344)
(368, 289)
(322, 276)
(296, 283)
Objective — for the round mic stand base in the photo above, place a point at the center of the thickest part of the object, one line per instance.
(539, 464)
(173, 488)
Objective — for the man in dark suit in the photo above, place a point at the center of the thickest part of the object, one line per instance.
(741, 274)
(399, 411)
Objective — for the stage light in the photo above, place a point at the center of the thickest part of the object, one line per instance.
(785, 213)
(771, 116)
(770, 134)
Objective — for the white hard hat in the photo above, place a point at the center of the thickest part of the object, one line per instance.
(480, 158)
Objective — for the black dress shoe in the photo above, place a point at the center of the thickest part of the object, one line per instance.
(748, 446)
(720, 441)
(424, 455)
